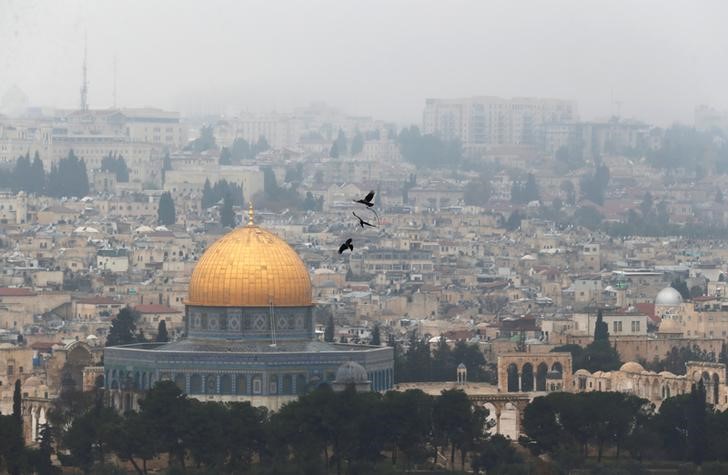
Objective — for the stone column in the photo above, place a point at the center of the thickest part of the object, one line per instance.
(519, 381)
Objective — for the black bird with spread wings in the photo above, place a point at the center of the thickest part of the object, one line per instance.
(363, 223)
(347, 245)
(367, 200)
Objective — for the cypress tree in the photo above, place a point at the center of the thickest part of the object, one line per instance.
(601, 329)
(165, 213)
(207, 196)
(18, 403)
(376, 336)
(162, 336)
(357, 144)
(227, 215)
(334, 150)
(329, 331)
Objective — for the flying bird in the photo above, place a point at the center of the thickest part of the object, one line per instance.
(347, 245)
(367, 201)
(363, 223)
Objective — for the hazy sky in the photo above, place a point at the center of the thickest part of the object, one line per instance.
(659, 58)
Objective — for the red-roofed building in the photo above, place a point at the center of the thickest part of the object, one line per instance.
(16, 292)
(649, 310)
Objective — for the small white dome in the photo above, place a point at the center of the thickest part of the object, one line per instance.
(668, 296)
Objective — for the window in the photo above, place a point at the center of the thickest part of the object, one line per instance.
(635, 326)
(257, 386)
(617, 327)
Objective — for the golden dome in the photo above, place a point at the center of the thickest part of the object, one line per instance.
(250, 267)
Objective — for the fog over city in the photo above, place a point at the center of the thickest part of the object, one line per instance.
(368, 237)
(652, 60)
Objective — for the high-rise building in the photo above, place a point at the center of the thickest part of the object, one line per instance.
(486, 120)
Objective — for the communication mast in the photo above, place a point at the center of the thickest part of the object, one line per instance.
(84, 84)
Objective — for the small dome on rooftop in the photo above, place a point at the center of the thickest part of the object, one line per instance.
(351, 373)
(668, 296)
(632, 367)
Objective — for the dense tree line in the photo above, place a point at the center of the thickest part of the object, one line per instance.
(212, 195)
(525, 192)
(428, 151)
(675, 359)
(686, 148)
(26, 175)
(321, 432)
(116, 164)
(66, 178)
(206, 140)
(477, 192)
(277, 197)
(594, 186)
(418, 363)
(571, 427)
(241, 150)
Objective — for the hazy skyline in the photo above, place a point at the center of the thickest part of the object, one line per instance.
(659, 59)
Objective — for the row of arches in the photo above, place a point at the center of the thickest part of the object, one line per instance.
(542, 378)
(711, 382)
(237, 384)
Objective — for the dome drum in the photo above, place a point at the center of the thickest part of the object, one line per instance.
(250, 323)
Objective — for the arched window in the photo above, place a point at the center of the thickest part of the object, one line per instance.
(226, 384)
(242, 384)
(541, 371)
(527, 377)
(300, 384)
(195, 384)
(287, 384)
(211, 384)
(513, 385)
(273, 385)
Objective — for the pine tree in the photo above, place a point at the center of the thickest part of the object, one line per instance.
(166, 214)
(123, 328)
(376, 336)
(162, 336)
(18, 403)
(330, 330)
(227, 215)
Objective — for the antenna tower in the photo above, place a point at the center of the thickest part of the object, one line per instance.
(84, 84)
